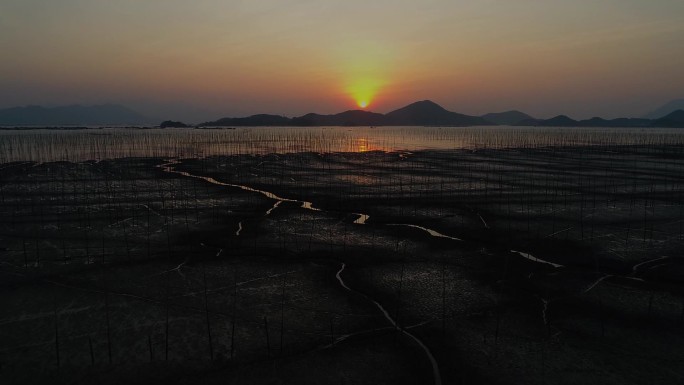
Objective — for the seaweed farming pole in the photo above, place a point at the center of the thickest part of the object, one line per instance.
(56, 319)
(268, 340)
(282, 315)
(206, 312)
(166, 328)
(149, 346)
(234, 313)
(401, 284)
(92, 353)
(147, 228)
(109, 333)
(443, 298)
(332, 330)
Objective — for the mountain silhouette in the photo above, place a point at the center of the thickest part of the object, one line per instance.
(108, 114)
(561, 121)
(619, 122)
(674, 119)
(172, 124)
(557, 121)
(428, 113)
(347, 118)
(666, 109)
(507, 118)
(254, 120)
(424, 113)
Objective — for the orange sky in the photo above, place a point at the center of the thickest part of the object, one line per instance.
(582, 58)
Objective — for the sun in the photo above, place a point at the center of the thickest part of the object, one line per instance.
(363, 91)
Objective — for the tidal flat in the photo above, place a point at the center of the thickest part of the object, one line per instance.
(553, 264)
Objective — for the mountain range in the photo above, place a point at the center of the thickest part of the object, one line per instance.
(428, 113)
(108, 114)
(665, 109)
(422, 113)
(674, 119)
(507, 118)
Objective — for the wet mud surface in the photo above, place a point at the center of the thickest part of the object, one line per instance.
(557, 265)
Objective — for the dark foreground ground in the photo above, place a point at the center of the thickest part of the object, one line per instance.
(537, 266)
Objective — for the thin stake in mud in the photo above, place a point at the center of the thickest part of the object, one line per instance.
(311, 233)
(92, 353)
(25, 253)
(401, 284)
(87, 235)
(443, 298)
(148, 229)
(206, 312)
(166, 329)
(103, 245)
(234, 316)
(64, 253)
(125, 232)
(332, 331)
(282, 315)
(650, 304)
(268, 340)
(56, 318)
(109, 333)
(498, 323)
(149, 346)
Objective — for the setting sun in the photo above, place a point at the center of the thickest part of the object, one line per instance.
(364, 90)
(364, 70)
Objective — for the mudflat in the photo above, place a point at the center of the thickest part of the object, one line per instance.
(558, 264)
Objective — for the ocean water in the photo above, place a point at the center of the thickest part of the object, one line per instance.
(47, 145)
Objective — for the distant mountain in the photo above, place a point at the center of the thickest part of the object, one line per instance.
(619, 122)
(347, 118)
(675, 119)
(561, 121)
(425, 113)
(108, 114)
(558, 121)
(564, 121)
(254, 120)
(172, 124)
(507, 118)
(666, 109)
(428, 113)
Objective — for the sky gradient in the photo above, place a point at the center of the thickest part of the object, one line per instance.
(232, 58)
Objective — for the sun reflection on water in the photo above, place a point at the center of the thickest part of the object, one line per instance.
(89, 144)
(361, 145)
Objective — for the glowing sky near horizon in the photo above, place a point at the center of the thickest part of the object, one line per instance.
(545, 57)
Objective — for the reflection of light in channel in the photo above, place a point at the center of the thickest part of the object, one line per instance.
(362, 145)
